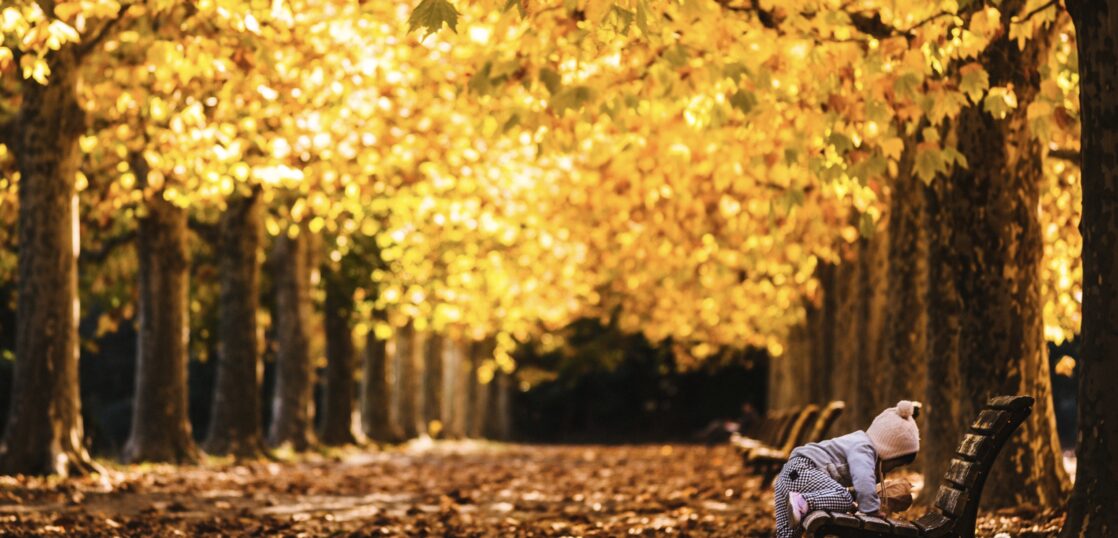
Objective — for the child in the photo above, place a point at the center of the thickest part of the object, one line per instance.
(816, 475)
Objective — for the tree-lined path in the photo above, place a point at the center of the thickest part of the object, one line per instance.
(242, 229)
(452, 489)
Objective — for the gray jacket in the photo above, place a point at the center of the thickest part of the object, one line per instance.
(851, 461)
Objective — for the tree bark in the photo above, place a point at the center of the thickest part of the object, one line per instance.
(871, 374)
(338, 395)
(499, 409)
(455, 375)
(235, 417)
(375, 416)
(409, 381)
(161, 429)
(44, 431)
(433, 419)
(905, 341)
(480, 425)
(991, 245)
(822, 325)
(1091, 511)
(293, 400)
(843, 373)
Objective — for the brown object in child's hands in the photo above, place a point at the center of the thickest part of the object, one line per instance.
(895, 495)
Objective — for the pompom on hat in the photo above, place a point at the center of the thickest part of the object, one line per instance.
(894, 432)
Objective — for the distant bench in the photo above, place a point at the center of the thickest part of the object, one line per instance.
(956, 508)
(786, 431)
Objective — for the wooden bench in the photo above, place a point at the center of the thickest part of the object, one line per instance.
(768, 460)
(956, 507)
(770, 431)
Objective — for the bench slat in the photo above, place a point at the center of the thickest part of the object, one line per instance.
(1013, 403)
(951, 501)
(934, 524)
(989, 421)
(974, 446)
(875, 524)
(962, 473)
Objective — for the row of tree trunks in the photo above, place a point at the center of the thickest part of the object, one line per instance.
(376, 415)
(843, 370)
(1091, 511)
(44, 429)
(873, 292)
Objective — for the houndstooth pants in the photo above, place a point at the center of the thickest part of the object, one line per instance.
(818, 488)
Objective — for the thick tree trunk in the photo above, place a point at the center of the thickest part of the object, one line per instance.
(815, 381)
(455, 372)
(993, 252)
(434, 420)
(409, 381)
(871, 374)
(375, 402)
(482, 424)
(161, 428)
(235, 416)
(942, 415)
(1091, 512)
(338, 423)
(499, 410)
(44, 429)
(843, 374)
(905, 340)
(293, 400)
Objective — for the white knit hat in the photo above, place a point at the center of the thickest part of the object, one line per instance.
(894, 433)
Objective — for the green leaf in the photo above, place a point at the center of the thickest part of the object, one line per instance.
(551, 80)
(906, 85)
(519, 6)
(622, 19)
(642, 17)
(974, 82)
(867, 226)
(842, 143)
(743, 100)
(431, 14)
(929, 162)
(480, 83)
(571, 98)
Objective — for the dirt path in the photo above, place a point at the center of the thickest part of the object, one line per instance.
(444, 489)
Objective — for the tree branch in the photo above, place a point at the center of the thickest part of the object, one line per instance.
(1070, 155)
(108, 246)
(107, 29)
(1038, 9)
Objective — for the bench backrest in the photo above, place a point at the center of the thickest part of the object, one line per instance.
(827, 418)
(780, 428)
(801, 427)
(956, 505)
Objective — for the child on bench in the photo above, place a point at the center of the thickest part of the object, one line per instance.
(817, 475)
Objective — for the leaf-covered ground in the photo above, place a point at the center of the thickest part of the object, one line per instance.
(424, 489)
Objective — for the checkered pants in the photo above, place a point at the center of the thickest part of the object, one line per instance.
(818, 488)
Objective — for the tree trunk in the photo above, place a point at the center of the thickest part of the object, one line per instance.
(44, 429)
(433, 419)
(1091, 512)
(455, 374)
(161, 428)
(942, 414)
(337, 401)
(480, 426)
(499, 421)
(235, 416)
(821, 321)
(905, 340)
(993, 251)
(871, 375)
(843, 373)
(409, 381)
(375, 419)
(293, 401)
